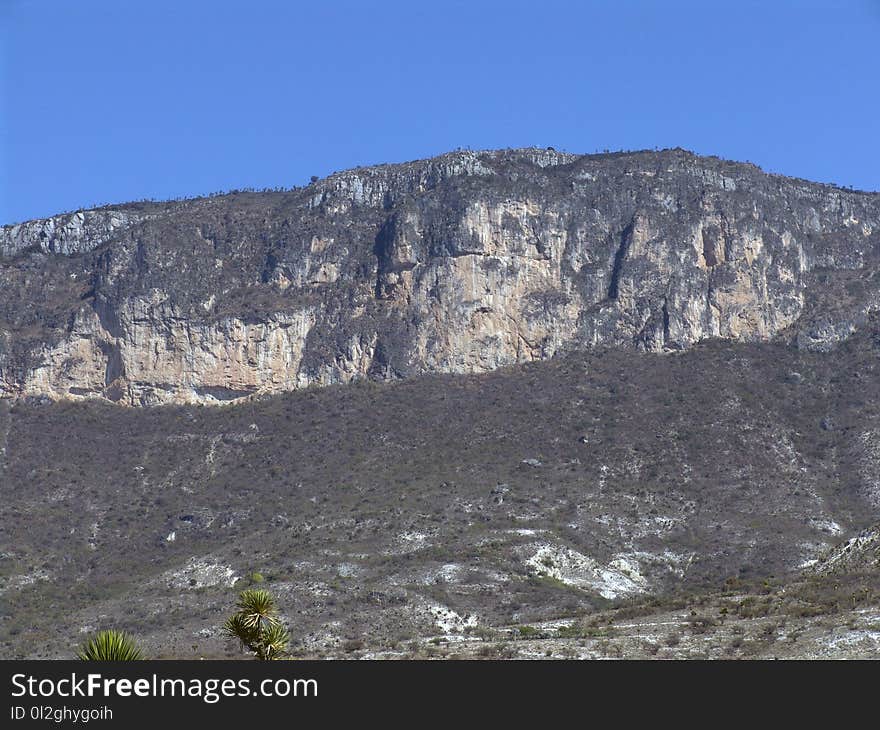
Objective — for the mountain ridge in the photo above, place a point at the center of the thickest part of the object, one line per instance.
(463, 262)
(147, 202)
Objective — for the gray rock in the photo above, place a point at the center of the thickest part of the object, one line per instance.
(463, 263)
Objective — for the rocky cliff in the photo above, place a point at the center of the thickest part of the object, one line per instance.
(462, 263)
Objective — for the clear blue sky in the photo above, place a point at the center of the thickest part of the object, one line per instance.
(111, 100)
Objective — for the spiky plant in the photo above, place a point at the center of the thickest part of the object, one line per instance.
(110, 646)
(256, 625)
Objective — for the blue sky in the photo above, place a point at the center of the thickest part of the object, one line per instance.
(106, 101)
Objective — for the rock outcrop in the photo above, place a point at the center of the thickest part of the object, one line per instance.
(462, 264)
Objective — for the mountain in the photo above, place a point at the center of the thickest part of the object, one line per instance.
(612, 405)
(459, 264)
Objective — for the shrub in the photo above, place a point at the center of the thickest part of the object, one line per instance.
(110, 646)
(530, 632)
(256, 625)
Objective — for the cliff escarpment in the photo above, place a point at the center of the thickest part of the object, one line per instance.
(459, 264)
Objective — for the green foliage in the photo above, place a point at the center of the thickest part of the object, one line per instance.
(110, 646)
(530, 632)
(256, 625)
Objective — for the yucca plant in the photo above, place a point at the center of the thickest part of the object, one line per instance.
(256, 625)
(110, 646)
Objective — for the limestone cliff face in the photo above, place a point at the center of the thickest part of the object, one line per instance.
(463, 263)
(65, 234)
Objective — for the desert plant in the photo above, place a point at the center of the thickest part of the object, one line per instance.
(110, 646)
(256, 625)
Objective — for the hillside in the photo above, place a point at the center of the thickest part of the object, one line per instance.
(440, 505)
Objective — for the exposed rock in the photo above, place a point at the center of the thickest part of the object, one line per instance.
(620, 577)
(69, 234)
(462, 264)
(859, 553)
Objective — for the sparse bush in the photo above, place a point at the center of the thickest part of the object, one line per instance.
(530, 632)
(700, 624)
(572, 631)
